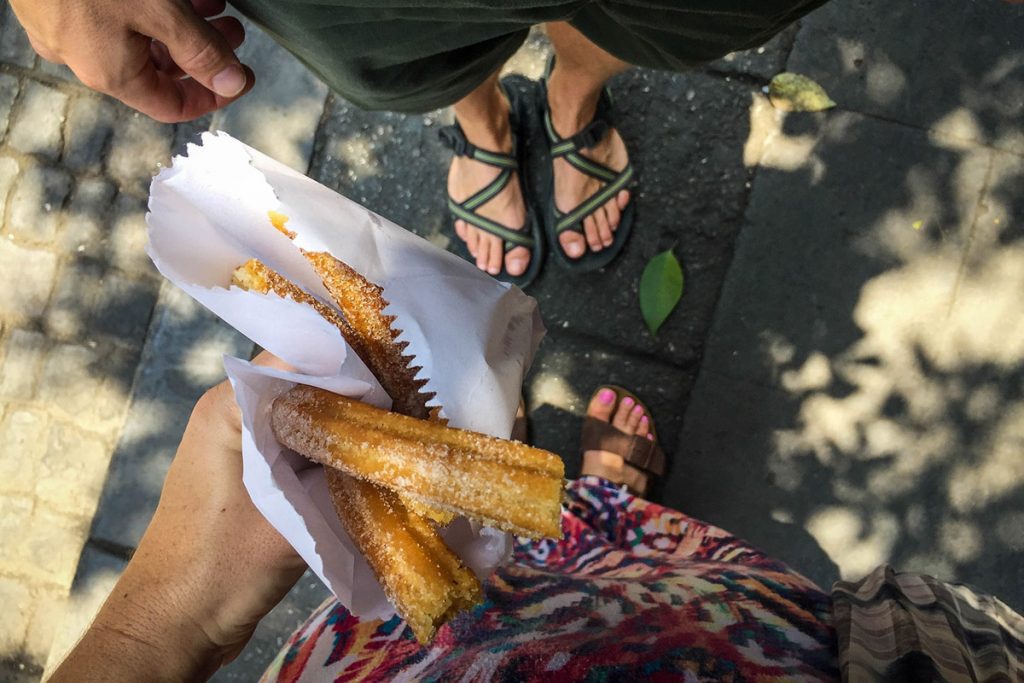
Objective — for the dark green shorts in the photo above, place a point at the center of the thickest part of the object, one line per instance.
(414, 56)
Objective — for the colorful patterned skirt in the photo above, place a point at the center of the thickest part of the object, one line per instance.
(635, 591)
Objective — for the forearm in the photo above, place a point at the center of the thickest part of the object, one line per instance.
(142, 633)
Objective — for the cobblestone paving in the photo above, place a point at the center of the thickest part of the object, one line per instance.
(77, 298)
(100, 362)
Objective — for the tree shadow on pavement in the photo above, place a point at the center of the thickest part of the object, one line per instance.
(863, 378)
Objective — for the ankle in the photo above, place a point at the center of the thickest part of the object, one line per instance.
(572, 101)
(489, 129)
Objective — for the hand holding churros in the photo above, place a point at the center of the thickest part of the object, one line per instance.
(394, 475)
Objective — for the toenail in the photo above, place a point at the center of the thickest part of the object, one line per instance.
(644, 420)
(638, 410)
(627, 401)
(650, 437)
(574, 249)
(606, 396)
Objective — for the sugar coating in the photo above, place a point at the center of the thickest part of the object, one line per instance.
(501, 483)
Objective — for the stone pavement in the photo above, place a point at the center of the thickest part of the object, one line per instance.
(843, 383)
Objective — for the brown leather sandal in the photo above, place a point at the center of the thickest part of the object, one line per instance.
(607, 449)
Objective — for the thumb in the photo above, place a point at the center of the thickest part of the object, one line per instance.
(200, 50)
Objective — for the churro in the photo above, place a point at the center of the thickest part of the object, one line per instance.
(503, 484)
(365, 328)
(422, 578)
(425, 581)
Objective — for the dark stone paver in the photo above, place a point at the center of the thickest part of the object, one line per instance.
(956, 66)
(181, 360)
(761, 62)
(811, 241)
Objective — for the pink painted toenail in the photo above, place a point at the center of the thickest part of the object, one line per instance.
(644, 420)
(638, 410)
(650, 437)
(606, 396)
(627, 401)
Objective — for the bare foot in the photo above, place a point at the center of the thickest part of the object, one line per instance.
(466, 177)
(569, 115)
(627, 416)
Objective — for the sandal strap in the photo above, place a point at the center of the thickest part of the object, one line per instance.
(568, 148)
(574, 219)
(512, 238)
(489, 191)
(639, 452)
(455, 139)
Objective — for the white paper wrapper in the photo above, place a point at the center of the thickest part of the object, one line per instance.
(473, 337)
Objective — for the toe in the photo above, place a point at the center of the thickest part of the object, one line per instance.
(460, 229)
(602, 404)
(495, 256)
(622, 198)
(644, 428)
(604, 230)
(472, 238)
(483, 251)
(614, 214)
(572, 243)
(633, 420)
(516, 261)
(620, 419)
(590, 230)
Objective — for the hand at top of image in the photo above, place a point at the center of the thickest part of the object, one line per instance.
(171, 60)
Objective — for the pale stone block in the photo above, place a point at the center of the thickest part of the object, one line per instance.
(23, 355)
(50, 547)
(70, 475)
(84, 226)
(36, 128)
(88, 385)
(17, 602)
(47, 613)
(88, 130)
(15, 521)
(139, 146)
(22, 441)
(33, 270)
(8, 173)
(36, 203)
(127, 239)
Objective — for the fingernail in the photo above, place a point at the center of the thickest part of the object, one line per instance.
(606, 396)
(229, 82)
(644, 420)
(627, 401)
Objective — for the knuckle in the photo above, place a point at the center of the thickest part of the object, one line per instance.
(200, 56)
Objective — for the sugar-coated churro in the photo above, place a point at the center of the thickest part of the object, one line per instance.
(504, 484)
(365, 328)
(425, 581)
(422, 578)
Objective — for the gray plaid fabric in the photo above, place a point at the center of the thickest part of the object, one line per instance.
(910, 627)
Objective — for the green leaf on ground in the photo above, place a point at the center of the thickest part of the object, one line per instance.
(661, 287)
(793, 92)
